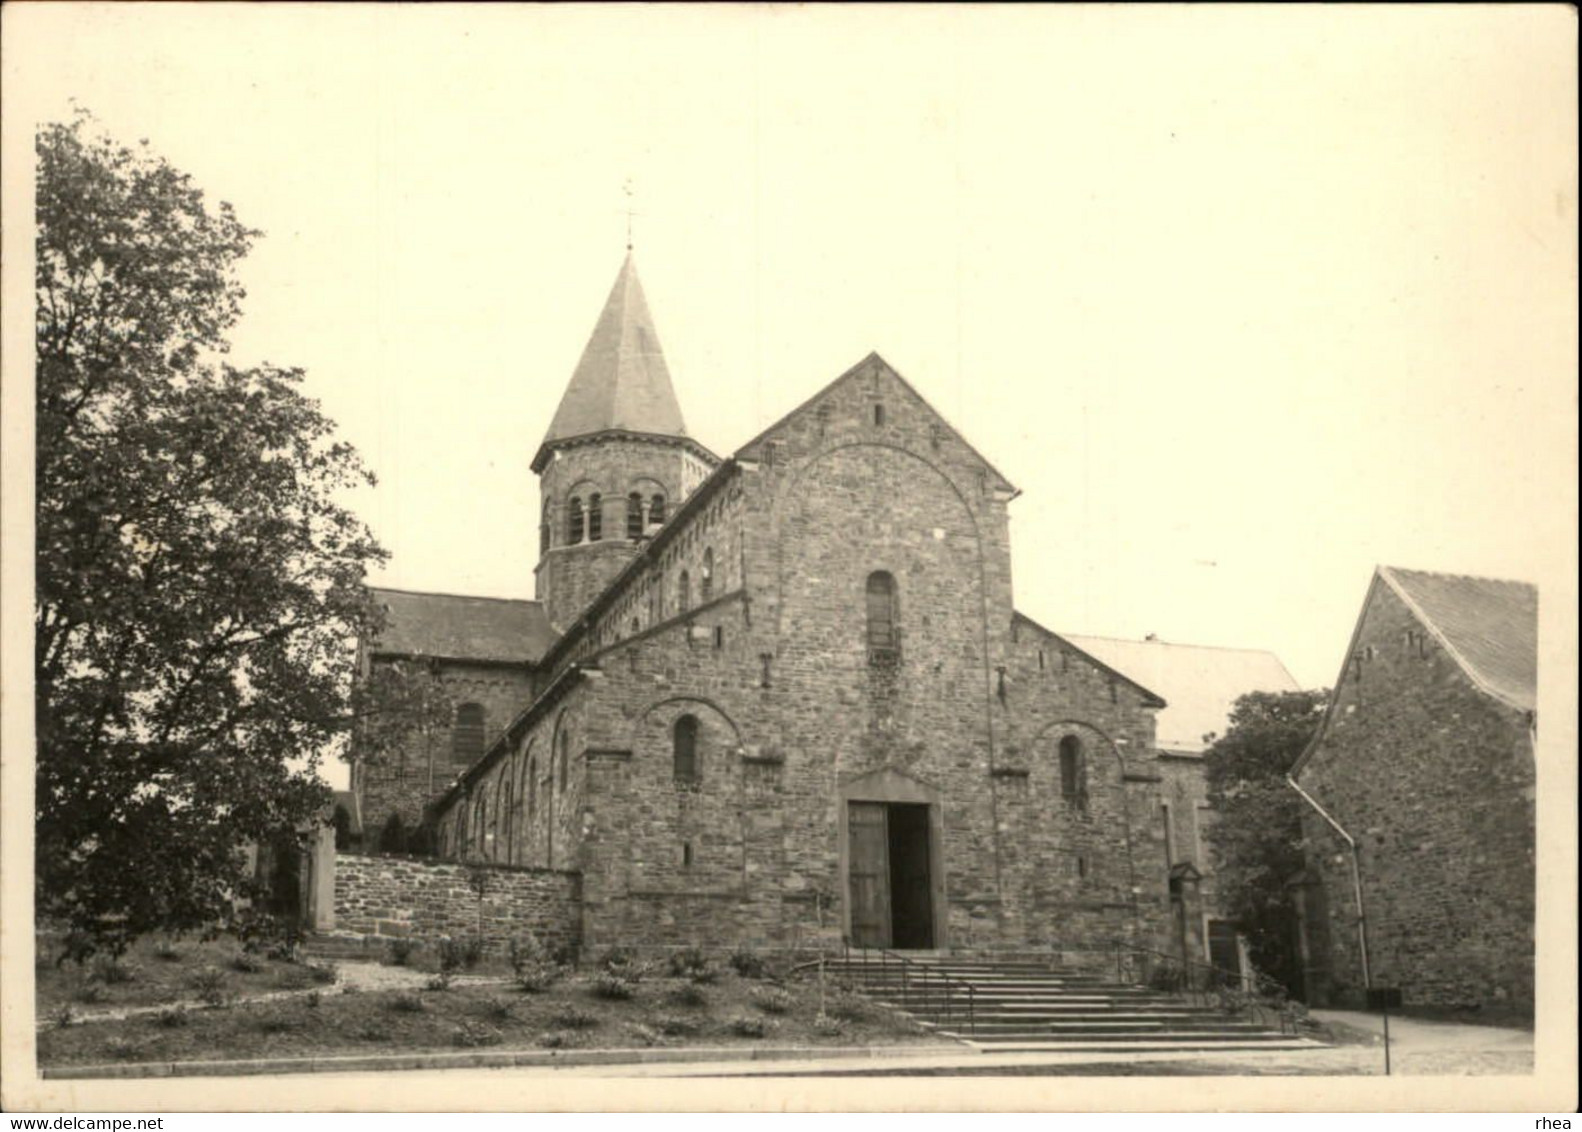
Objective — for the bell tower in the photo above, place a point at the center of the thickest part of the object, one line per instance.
(617, 460)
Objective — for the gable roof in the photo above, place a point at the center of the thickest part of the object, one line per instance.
(456, 627)
(1490, 627)
(1154, 699)
(1201, 682)
(622, 382)
(872, 363)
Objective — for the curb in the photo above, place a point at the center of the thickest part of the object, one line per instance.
(496, 1059)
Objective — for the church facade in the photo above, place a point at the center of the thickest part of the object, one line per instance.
(784, 696)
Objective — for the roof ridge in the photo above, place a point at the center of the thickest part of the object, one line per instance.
(447, 593)
(1459, 577)
(1174, 644)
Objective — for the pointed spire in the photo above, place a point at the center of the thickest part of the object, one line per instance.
(622, 381)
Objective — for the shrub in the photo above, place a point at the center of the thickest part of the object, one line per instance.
(168, 951)
(688, 963)
(748, 1026)
(439, 982)
(676, 1025)
(827, 1027)
(470, 1035)
(111, 971)
(322, 973)
(618, 961)
(408, 1002)
(848, 1007)
(527, 953)
(209, 983)
(277, 1024)
(613, 986)
(471, 953)
(89, 993)
(454, 954)
(400, 951)
(773, 1000)
(64, 1015)
(688, 994)
(173, 1017)
(314, 999)
(748, 964)
(247, 963)
(556, 1039)
(122, 1049)
(534, 978)
(570, 1017)
(1165, 978)
(500, 1009)
(645, 1035)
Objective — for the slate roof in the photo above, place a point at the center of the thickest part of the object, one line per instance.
(1199, 683)
(622, 381)
(462, 628)
(1488, 625)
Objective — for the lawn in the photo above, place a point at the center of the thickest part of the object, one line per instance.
(156, 971)
(726, 1010)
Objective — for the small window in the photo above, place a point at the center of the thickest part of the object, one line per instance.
(686, 854)
(532, 787)
(706, 581)
(883, 632)
(545, 531)
(466, 735)
(565, 760)
(1071, 784)
(656, 510)
(878, 416)
(634, 516)
(595, 517)
(684, 592)
(574, 521)
(684, 749)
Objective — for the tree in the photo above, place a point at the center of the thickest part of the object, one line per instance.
(1256, 835)
(198, 585)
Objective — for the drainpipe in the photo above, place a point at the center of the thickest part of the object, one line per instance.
(1356, 878)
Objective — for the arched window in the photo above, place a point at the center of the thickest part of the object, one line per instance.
(683, 592)
(466, 735)
(595, 517)
(502, 823)
(574, 521)
(565, 759)
(656, 510)
(480, 820)
(883, 631)
(1071, 784)
(634, 515)
(706, 581)
(684, 748)
(532, 787)
(545, 531)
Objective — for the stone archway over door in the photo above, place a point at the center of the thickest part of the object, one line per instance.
(892, 858)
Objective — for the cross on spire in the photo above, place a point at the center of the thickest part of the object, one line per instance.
(626, 188)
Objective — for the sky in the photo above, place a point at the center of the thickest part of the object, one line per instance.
(1245, 301)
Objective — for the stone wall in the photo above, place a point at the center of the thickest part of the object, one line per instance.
(411, 897)
(1435, 780)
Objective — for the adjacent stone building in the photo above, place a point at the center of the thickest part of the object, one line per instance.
(1425, 762)
(785, 696)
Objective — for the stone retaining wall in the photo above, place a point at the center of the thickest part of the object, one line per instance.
(401, 897)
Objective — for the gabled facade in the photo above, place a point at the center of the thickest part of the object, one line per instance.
(802, 706)
(1425, 759)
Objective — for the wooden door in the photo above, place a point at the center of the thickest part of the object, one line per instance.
(868, 870)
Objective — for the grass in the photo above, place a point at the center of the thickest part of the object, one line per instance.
(568, 1015)
(160, 971)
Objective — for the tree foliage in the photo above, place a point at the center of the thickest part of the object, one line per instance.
(198, 585)
(1256, 835)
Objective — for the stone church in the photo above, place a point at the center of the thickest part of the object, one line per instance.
(783, 695)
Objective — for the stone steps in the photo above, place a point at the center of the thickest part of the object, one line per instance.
(1025, 1007)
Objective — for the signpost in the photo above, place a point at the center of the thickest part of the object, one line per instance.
(1381, 999)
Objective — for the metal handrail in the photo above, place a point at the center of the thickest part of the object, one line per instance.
(929, 976)
(1255, 984)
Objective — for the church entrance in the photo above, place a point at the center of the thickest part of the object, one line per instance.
(889, 872)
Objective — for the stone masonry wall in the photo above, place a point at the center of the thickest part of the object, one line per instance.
(1435, 780)
(409, 897)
